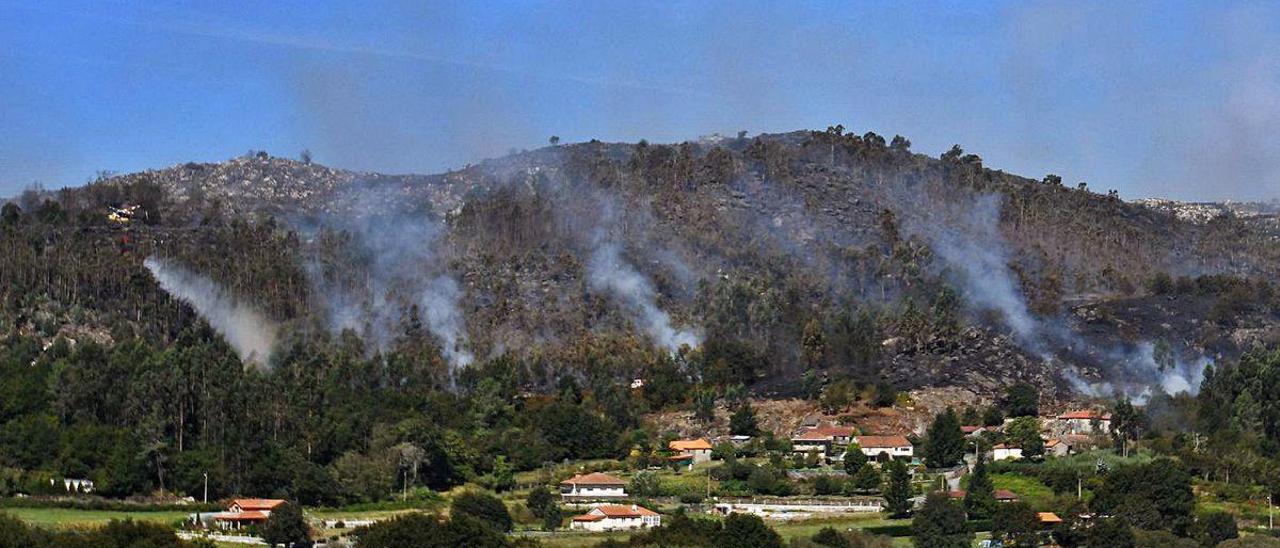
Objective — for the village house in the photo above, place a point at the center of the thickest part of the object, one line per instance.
(245, 512)
(1005, 451)
(592, 486)
(1005, 495)
(883, 448)
(821, 438)
(1084, 422)
(1055, 447)
(615, 517)
(699, 449)
(971, 431)
(1001, 495)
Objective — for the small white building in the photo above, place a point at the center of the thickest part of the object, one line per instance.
(243, 512)
(616, 517)
(592, 486)
(699, 449)
(1083, 422)
(882, 448)
(1056, 447)
(1005, 451)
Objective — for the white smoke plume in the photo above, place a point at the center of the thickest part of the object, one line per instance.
(439, 299)
(965, 234)
(609, 272)
(399, 264)
(250, 333)
(972, 245)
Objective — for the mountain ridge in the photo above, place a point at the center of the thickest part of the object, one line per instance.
(746, 241)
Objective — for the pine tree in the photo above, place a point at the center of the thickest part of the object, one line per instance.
(940, 523)
(743, 421)
(980, 498)
(897, 489)
(854, 458)
(944, 446)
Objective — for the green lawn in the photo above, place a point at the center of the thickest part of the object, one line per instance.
(65, 518)
(1030, 490)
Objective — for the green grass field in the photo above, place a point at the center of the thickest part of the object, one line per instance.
(65, 518)
(1030, 490)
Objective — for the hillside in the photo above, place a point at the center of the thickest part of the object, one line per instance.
(766, 256)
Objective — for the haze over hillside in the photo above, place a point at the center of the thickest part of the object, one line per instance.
(758, 258)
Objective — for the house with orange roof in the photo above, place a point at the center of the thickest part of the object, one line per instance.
(616, 517)
(245, 512)
(592, 486)
(699, 449)
(883, 448)
(1084, 421)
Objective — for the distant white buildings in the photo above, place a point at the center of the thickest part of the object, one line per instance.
(592, 486)
(1005, 451)
(72, 485)
(883, 448)
(616, 517)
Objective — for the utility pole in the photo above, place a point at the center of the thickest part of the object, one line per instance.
(1271, 520)
(206, 488)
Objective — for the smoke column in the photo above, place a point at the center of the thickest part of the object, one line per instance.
(250, 333)
(971, 245)
(440, 301)
(399, 256)
(609, 272)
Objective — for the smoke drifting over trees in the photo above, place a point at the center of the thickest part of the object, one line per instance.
(250, 333)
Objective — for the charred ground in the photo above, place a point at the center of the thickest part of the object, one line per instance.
(785, 253)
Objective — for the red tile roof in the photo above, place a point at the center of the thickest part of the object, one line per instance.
(594, 478)
(955, 494)
(882, 442)
(1084, 415)
(624, 511)
(689, 445)
(588, 517)
(257, 504)
(1005, 494)
(242, 516)
(970, 429)
(1048, 517)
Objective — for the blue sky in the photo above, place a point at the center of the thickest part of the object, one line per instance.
(1179, 100)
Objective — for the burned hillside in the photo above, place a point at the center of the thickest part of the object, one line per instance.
(764, 257)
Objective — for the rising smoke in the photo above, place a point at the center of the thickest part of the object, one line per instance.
(396, 268)
(965, 234)
(609, 272)
(250, 333)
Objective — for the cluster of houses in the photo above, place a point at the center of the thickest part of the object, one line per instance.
(1067, 433)
(596, 486)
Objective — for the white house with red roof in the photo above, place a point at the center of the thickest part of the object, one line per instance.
(592, 486)
(1082, 422)
(699, 450)
(244, 512)
(883, 448)
(615, 517)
